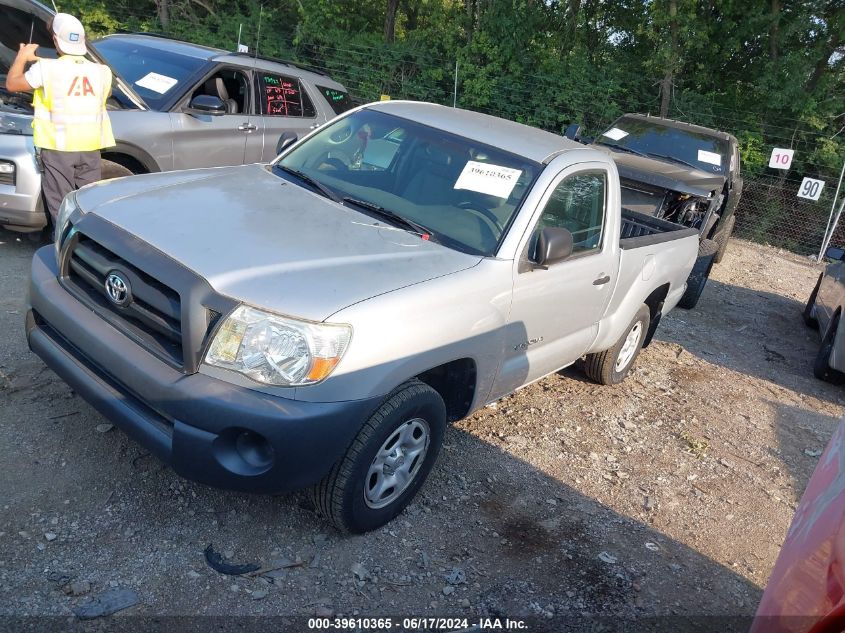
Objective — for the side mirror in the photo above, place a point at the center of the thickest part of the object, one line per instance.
(573, 131)
(554, 244)
(207, 104)
(835, 253)
(286, 140)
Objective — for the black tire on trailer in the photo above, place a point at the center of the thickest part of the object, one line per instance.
(722, 237)
(364, 489)
(700, 272)
(809, 310)
(110, 169)
(821, 367)
(611, 366)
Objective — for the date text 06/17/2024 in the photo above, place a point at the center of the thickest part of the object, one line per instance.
(451, 625)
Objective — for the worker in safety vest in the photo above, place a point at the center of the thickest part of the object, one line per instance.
(70, 124)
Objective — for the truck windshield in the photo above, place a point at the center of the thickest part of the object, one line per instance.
(663, 142)
(459, 192)
(155, 74)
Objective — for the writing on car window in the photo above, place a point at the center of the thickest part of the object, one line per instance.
(284, 96)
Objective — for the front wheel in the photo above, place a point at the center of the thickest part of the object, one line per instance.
(723, 237)
(821, 368)
(110, 169)
(387, 462)
(809, 314)
(700, 273)
(611, 366)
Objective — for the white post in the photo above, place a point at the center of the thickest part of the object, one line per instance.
(832, 228)
(455, 94)
(826, 238)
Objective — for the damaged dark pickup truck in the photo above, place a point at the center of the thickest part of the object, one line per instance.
(683, 173)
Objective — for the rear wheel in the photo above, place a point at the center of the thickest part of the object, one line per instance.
(700, 272)
(809, 314)
(722, 238)
(821, 368)
(387, 462)
(611, 366)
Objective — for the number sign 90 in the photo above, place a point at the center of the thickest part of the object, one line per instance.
(810, 189)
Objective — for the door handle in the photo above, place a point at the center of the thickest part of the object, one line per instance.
(601, 280)
(247, 127)
(315, 126)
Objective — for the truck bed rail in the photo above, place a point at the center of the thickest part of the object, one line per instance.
(639, 230)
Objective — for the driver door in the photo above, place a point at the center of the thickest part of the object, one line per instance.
(204, 140)
(555, 312)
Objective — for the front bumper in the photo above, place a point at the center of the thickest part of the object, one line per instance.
(208, 430)
(21, 207)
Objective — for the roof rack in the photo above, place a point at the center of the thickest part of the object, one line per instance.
(165, 36)
(285, 62)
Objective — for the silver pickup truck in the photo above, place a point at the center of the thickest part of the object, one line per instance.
(317, 321)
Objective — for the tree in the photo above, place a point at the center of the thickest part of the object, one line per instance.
(390, 21)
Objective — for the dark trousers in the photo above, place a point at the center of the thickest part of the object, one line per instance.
(65, 172)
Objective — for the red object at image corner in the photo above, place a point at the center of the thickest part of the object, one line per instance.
(806, 591)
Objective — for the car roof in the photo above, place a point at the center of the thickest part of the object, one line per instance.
(516, 138)
(218, 55)
(177, 47)
(681, 125)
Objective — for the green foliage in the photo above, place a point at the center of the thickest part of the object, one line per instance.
(771, 79)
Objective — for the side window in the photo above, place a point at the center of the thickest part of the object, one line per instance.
(230, 86)
(338, 100)
(284, 96)
(578, 204)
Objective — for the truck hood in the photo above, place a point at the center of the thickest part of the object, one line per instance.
(268, 242)
(665, 174)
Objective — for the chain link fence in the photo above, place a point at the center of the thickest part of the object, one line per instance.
(770, 212)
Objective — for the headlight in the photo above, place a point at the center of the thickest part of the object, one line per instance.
(277, 350)
(67, 207)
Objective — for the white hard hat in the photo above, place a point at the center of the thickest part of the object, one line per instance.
(70, 34)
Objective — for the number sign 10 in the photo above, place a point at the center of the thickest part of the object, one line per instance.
(781, 158)
(810, 188)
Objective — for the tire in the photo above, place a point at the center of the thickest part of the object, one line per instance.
(111, 170)
(821, 367)
(809, 318)
(348, 496)
(611, 366)
(722, 237)
(700, 272)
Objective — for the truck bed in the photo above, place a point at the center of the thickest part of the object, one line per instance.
(639, 229)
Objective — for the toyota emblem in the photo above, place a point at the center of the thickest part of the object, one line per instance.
(117, 290)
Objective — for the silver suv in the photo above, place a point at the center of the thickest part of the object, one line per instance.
(175, 106)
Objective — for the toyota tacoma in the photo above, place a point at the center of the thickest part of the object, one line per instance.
(317, 321)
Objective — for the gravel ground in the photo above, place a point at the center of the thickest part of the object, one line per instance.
(668, 494)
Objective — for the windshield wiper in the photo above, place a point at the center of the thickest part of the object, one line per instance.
(392, 216)
(672, 158)
(316, 184)
(622, 148)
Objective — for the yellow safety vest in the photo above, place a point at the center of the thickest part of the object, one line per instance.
(70, 108)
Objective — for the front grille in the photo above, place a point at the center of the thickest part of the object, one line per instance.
(154, 315)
